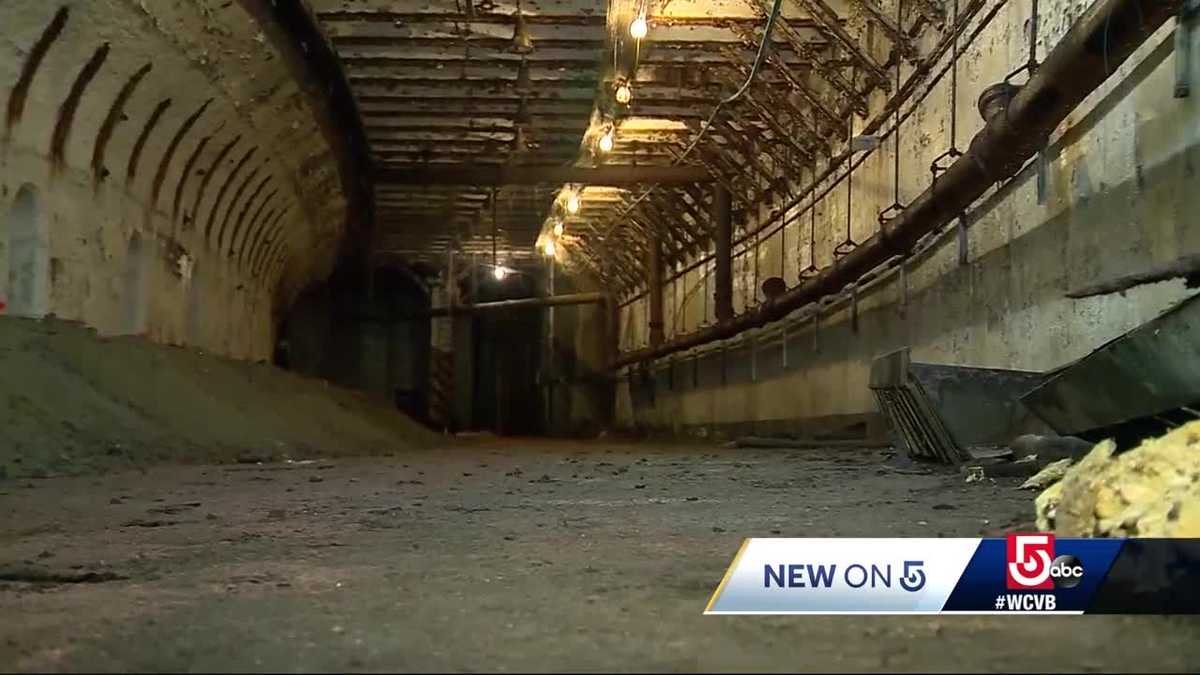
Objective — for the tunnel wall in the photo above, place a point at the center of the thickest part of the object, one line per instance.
(375, 341)
(576, 388)
(180, 186)
(1114, 195)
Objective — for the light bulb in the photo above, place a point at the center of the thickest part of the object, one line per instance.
(607, 141)
(638, 28)
(500, 272)
(549, 248)
(558, 228)
(624, 93)
(573, 203)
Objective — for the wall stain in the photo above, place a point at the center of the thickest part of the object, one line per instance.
(20, 92)
(208, 176)
(220, 198)
(233, 202)
(70, 105)
(269, 242)
(183, 177)
(257, 227)
(169, 154)
(248, 240)
(116, 114)
(237, 228)
(135, 156)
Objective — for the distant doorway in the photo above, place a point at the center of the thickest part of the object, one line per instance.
(28, 257)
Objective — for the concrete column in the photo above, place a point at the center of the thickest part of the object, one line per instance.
(654, 288)
(722, 216)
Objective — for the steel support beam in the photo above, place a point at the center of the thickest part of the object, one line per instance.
(1099, 42)
(551, 301)
(722, 218)
(654, 287)
(536, 174)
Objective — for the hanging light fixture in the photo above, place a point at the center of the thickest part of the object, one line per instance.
(607, 140)
(498, 270)
(573, 203)
(548, 248)
(623, 92)
(559, 228)
(639, 27)
(522, 41)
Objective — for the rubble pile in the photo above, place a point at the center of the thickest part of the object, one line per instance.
(1150, 491)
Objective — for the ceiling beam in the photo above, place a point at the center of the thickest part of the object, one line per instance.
(535, 174)
(507, 19)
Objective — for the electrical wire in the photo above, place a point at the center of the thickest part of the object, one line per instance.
(759, 58)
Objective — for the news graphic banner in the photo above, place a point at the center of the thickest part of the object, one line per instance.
(1023, 574)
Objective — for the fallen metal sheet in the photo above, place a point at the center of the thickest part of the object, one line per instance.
(1150, 370)
(940, 411)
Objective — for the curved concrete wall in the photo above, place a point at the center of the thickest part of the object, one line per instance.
(160, 172)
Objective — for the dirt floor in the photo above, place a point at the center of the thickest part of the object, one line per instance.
(75, 403)
(501, 555)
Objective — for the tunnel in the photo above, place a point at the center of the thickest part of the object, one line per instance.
(639, 335)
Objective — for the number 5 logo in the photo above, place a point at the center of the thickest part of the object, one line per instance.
(1029, 558)
(914, 577)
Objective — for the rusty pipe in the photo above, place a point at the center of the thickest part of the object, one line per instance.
(1099, 42)
(550, 301)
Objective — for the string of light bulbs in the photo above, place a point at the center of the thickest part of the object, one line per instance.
(759, 58)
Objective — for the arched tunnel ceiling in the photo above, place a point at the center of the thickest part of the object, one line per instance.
(445, 83)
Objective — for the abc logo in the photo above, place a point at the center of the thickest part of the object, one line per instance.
(1066, 571)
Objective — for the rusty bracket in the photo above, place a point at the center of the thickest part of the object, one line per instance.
(937, 168)
(891, 212)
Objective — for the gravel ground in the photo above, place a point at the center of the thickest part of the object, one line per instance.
(500, 555)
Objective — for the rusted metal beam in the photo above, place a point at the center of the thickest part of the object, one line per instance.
(663, 231)
(737, 140)
(831, 25)
(613, 175)
(830, 73)
(654, 286)
(781, 105)
(894, 31)
(507, 19)
(727, 171)
(674, 220)
(1011, 136)
(549, 301)
(682, 200)
(932, 10)
(782, 135)
(584, 61)
(722, 216)
(814, 99)
(500, 44)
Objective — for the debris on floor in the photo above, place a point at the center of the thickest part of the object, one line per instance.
(1052, 473)
(1049, 447)
(1150, 491)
